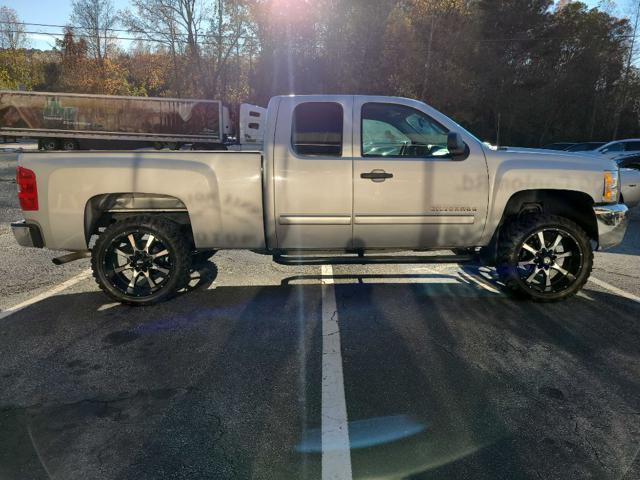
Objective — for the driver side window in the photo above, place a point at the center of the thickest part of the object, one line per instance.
(392, 130)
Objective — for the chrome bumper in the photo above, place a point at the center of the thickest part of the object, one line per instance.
(27, 234)
(612, 224)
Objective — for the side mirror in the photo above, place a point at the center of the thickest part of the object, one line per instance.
(455, 145)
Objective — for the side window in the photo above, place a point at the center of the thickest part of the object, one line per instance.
(632, 146)
(317, 129)
(391, 130)
(616, 147)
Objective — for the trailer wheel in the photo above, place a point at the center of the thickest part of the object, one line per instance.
(141, 260)
(69, 144)
(49, 144)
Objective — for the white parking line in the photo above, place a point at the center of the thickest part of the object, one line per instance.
(336, 455)
(478, 280)
(49, 293)
(616, 290)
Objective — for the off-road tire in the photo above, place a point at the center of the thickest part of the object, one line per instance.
(510, 244)
(168, 233)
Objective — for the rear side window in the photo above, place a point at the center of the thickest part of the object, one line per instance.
(317, 129)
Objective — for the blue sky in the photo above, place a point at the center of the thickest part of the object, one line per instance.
(57, 12)
(52, 12)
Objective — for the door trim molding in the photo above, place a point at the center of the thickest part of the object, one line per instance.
(414, 219)
(315, 220)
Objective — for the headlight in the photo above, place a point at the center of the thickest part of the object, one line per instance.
(610, 193)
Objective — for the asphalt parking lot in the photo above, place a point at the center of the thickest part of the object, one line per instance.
(255, 372)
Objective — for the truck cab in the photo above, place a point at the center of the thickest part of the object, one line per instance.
(351, 172)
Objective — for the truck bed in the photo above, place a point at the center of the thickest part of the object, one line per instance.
(220, 191)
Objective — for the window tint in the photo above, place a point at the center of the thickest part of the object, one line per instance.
(632, 146)
(317, 129)
(616, 147)
(390, 130)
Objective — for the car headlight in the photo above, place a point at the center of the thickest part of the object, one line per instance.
(611, 182)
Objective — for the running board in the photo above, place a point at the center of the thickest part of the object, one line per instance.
(70, 257)
(371, 259)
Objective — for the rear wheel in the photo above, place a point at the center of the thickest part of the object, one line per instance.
(544, 257)
(141, 260)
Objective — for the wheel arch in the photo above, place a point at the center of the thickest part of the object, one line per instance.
(572, 204)
(104, 209)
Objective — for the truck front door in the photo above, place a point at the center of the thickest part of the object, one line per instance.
(408, 191)
(313, 173)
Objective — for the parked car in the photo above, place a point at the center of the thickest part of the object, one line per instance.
(558, 146)
(629, 179)
(585, 146)
(629, 160)
(618, 147)
(353, 175)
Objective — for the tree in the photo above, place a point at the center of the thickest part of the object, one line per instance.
(12, 32)
(95, 20)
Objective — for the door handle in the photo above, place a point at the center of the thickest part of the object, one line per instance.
(376, 175)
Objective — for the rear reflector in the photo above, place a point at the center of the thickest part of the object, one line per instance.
(27, 189)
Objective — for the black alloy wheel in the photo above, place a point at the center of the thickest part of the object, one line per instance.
(544, 257)
(141, 260)
(550, 260)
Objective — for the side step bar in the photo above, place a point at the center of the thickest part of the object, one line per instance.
(371, 259)
(70, 257)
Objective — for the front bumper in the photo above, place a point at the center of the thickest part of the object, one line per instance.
(612, 223)
(27, 234)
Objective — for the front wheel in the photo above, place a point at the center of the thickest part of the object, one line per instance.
(544, 257)
(141, 260)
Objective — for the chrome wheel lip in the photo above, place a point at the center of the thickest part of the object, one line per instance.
(547, 264)
(148, 258)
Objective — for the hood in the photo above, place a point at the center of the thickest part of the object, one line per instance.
(571, 160)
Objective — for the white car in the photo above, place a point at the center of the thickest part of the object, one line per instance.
(619, 147)
(629, 178)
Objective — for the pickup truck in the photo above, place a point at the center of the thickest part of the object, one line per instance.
(339, 179)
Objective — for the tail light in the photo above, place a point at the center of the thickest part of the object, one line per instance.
(27, 189)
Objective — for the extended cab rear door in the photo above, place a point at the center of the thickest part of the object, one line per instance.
(312, 172)
(408, 191)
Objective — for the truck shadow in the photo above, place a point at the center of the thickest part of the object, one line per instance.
(227, 381)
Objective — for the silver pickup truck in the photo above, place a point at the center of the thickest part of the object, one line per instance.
(339, 179)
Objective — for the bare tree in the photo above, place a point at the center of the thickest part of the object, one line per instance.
(174, 24)
(228, 35)
(628, 72)
(12, 33)
(94, 21)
